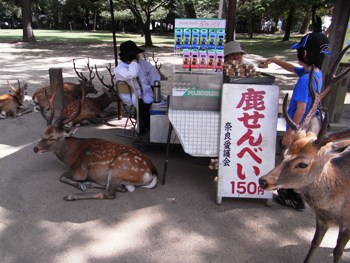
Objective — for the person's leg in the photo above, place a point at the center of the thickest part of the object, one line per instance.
(144, 117)
(289, 198)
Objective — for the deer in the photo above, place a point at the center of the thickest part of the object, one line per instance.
(12, 104)
(71, 92)
(95, 163)
(317, 164)
(93, 108)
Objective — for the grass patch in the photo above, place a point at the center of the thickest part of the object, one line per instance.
(85, 37)
(263, 45)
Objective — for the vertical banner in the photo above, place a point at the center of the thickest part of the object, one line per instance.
(247, 139)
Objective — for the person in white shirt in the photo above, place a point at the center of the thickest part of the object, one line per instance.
(141, 74)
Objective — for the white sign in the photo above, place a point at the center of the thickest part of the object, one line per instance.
(200, 23)
(247, 139)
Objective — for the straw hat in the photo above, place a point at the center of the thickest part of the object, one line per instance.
(129, 48)
(233, 47)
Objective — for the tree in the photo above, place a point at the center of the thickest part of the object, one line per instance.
(251, 10)
(28, 34)
(142, 11)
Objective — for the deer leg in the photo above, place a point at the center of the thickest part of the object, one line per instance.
(65, 178)
(23, 112)
(321, 229)
(109, 193)
(90, 184)
(343, 238)
(80, 196)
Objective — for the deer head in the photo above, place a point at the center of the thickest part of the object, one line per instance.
(55, 132)
(19, 93)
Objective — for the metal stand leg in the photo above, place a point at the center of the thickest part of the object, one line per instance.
(167, 152)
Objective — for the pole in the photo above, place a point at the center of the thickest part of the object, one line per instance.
(221, 5)
(334, 101)
(113, 31)
(231, 20)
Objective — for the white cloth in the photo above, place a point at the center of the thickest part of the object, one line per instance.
(146, 73)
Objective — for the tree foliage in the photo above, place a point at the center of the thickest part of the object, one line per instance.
(140, 15)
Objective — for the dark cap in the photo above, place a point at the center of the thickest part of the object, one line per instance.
(316, 42)
(129, 48)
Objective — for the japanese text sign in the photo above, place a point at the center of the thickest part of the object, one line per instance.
(247, 138)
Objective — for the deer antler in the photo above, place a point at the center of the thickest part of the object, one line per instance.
(50, 100)
(90, 70)
(79, 74)
(156, 62)
(109, 68)
(13, 88)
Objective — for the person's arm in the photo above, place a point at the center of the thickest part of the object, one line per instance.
(299, 113)
(152, 72)
(283, 64)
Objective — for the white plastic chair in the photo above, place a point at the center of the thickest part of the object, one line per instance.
(124, 90)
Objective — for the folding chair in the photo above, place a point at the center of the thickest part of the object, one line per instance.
(124, 89)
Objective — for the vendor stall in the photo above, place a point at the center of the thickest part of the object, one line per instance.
(223, 111)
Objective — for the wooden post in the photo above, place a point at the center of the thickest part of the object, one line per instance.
(334, 102)
(56, 76)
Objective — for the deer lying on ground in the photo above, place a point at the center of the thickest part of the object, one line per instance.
(12, 104)
(319, 167)
(71, 92)
(94, 162)
(92, 110)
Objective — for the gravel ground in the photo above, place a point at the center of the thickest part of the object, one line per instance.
(177, 222)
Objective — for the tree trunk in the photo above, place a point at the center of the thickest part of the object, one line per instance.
(147, 34)
(250, 28)
(95, 22)
(190, 11)
(289, 24)
(28, 34)
(305, 25)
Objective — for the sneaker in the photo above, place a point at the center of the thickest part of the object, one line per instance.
(293, 202)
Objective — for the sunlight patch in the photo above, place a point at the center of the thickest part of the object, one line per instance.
(6, 150)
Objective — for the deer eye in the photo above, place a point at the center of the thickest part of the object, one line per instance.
(302, 165)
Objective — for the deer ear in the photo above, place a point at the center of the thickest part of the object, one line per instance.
(25, 87)
(71, 132)
(340, 146)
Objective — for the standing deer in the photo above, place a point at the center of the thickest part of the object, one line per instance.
(71, 91)
(94, 162)
(93, 108)
(12, 104)
(319, 167)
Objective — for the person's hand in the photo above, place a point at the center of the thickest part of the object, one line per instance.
(264, 63)
(287, 139)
